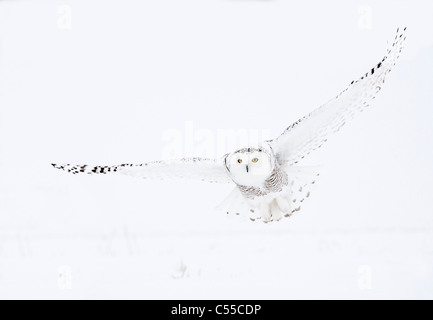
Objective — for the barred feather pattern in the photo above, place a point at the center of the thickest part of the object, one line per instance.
(77, 169)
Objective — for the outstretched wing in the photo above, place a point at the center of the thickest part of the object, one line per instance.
(209, 170)
(310, 132)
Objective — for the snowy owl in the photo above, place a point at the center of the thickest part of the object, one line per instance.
(268, 182)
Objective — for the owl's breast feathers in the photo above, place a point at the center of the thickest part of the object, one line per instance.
(275, 183)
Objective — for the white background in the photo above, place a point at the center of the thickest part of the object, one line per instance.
(107, 82)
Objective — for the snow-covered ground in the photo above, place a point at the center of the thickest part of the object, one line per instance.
(107, 82)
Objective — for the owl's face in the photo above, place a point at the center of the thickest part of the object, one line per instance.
(249, 167)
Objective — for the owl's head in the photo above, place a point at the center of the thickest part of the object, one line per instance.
(250, 166)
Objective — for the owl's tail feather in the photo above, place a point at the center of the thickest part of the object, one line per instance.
(301, 181)
(290, 200)
(275, 206)
(267, 209)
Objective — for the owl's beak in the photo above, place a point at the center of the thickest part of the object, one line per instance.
(247, 167)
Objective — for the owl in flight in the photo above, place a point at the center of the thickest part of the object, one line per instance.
(268, 182)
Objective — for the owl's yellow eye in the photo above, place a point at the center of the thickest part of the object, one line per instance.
(239, 160)
(255, 160)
